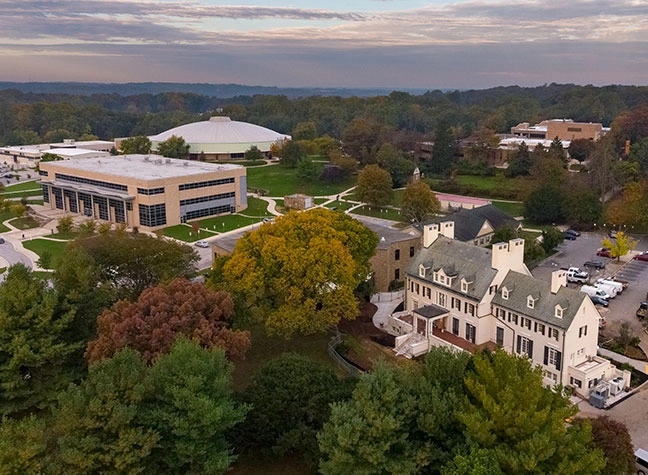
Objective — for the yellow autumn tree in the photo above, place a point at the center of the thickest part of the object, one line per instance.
(299, 273)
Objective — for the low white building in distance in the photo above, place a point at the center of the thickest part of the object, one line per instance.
(221, 139)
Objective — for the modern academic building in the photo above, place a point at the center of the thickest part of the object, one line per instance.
(147, 191)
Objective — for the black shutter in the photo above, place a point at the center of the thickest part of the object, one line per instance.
(519, 343)
(546, 356)
(531, 349)
(559, 361)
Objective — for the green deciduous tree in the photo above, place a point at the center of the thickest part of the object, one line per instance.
(399, 167)
(140, 144)
(174, 147)
(639, 155)
(581, 203)
(291, 153)
(580, 149)
(504, 234)
(444, 151)
(508, 412)
(307, 170)
(34, 352)
(374, 186)
(289, 402)
(133, 262)
(419, 202)
(551, 237)
(163, 313)
(631, 208)
(620, 246)
(543, 205)
(300, 273)
(253, 154)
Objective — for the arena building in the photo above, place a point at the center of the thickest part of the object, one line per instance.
(220, 139)
(143, 190)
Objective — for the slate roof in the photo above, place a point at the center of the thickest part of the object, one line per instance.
(386, 235)
(430, 311)
(521, 286)
(468, 222)
(456, 258)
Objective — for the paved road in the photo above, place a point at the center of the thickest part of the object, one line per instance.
(9, 254)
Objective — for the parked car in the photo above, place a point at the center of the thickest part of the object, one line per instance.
(8, 176)
(597, 300)
(603, 252)
(201, 244)
(573, 231)
(612, 233)
(642, 311)
(2, 241)
(569, 236)
(642, 256)
(595, 264)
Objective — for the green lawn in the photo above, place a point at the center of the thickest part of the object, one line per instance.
(39, 246)
(248, 163)
(35, 202)
(4, 215)
(24, 223)
(512, 209)
(256, 207)
(340, 205)
(25, 185)
(22, 194)
(228, 222)
(379, 212)
(281, 181)
(184, 232)
(69, 235)
(497, 186)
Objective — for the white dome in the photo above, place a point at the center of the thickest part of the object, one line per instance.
(222, 131)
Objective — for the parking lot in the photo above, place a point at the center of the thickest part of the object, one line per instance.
(622, 308)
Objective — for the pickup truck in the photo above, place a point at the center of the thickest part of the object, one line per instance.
(642, 311)
(574, 274)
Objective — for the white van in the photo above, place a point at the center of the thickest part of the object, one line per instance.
(641, 461)
(610, 289)
(613, 283)
(592, 291)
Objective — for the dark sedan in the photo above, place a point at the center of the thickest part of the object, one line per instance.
(595, 264)
(596, 300)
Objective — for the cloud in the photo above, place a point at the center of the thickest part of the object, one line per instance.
(194, 41)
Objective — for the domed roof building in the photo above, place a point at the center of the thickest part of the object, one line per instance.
(221, 138)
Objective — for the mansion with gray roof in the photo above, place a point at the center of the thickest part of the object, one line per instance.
(465, 297)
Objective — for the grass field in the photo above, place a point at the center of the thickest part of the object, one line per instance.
(26, 185)
(282, 181)
(24, 223)
(22, 194)
(4, 215)
(378, 212)
(39, 246)
(185, 233)
(497, 186)
(512, 209)
(256, 207)
(228, 222)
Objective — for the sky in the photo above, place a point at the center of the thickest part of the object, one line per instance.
(439, 44)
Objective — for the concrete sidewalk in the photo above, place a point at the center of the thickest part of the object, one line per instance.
(637, 364)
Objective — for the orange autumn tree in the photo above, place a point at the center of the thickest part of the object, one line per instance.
(163, 313)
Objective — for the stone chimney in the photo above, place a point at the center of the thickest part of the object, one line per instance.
(558, 279)
(430, 234)
(447, 229)
(508, 255)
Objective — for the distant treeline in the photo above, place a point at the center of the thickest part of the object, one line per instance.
(28, 117)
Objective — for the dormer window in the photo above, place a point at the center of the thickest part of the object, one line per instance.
(505, 293)
(558, 311)
(530, 302)
(421, 270)
(464, 286)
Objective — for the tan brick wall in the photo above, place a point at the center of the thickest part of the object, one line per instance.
(384, 263)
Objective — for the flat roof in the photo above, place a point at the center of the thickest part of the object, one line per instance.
(73, 152)
(144, 167)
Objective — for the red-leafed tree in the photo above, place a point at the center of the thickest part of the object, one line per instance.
(161, 314)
